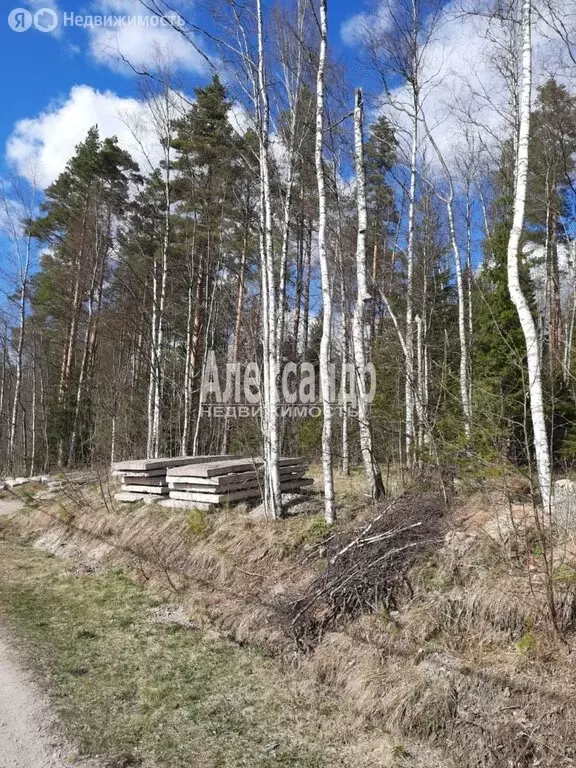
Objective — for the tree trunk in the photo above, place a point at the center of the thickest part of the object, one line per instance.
(327, 468)
(88, 341)
(152, 369)
(307, 279)
(237, 326)
(514, 287)
(371, 468)
(34, 413)
(299, 288)
(409, 385)
(272, 495)
(16, 403)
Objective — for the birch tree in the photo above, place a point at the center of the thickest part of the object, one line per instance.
(448, 200)
(371, 468)
(273, 494)
(527, 323)
(162, 113)
(325, 389)
(21, 238)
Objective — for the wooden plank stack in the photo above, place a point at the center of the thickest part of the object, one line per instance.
(218, 481)
(145, 479)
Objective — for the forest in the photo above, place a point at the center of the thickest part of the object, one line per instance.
(290, 222)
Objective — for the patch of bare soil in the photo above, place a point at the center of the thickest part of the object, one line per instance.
(28, 731)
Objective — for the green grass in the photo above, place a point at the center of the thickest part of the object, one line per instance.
(143, 693)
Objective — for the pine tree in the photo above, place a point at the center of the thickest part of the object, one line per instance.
(77, 223)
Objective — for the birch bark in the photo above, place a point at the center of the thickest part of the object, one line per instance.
(326, 394)
(409, 384)
(273, 495)
(516, 294)
(16, 402)
(371, 468)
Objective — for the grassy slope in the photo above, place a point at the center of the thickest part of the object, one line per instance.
(157, 694)
(466, 674)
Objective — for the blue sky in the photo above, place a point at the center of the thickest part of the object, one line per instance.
(62, 82)
(44, 70)
(58, 84)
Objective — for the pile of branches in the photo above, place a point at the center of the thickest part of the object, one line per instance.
(366, 569)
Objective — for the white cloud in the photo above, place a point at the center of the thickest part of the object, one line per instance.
(39, 147)
(144, 47)
(36, 5)
(240, 119)
(463, 85)
(353, 30)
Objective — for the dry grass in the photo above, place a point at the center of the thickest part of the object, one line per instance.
(137, 691)
(237, 565)
(469, 665)
(465, 671)
(350, 489)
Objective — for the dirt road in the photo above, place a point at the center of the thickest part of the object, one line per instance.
(28, 732)
(25, 722)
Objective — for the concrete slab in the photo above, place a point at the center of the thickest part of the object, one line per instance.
(161, 472)
(143, 465)
(145, 489)
(234, 480)
(215, 468)
(216, 498)
(142, 480)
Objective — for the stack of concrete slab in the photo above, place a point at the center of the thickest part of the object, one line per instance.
(145, 479)
(218, 481)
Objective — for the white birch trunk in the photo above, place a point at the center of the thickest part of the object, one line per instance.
(187, 377)
(293, 106)
(345, 464)
(162, 117)
(4, 376)
(34, 414)
(152, 369)
(24, 269)
(209, 315)
(326, 394)
(420, 375)
(464, 389)
(159, 356)
(569, 333)
(409, 385)
(516, 294)
(463, 378)
(273, 495)
(371, 468)
(189, 363)
(237, 326)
